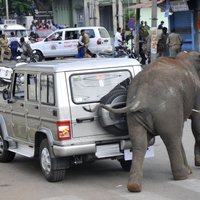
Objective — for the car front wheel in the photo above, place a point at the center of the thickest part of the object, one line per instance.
(48, 164)
(38, 56)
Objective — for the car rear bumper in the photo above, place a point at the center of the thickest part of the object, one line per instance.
(100, 151)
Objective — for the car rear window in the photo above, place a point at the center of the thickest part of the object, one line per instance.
(90, 32)
(103, 33)
(92, 87)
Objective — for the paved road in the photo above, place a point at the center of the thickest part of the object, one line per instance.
(102, 180)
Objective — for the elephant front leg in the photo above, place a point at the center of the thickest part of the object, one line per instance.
(195, 122)
(138, 136)
(178, 161)
(195, 117)
(197, 153)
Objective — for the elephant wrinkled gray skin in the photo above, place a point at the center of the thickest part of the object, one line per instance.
(160, 98)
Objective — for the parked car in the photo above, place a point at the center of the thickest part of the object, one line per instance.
(12, 26)
(40, 34)
(66, 45)
(42, 113)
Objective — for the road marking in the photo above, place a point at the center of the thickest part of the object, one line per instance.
(190, 184)
(68, 197)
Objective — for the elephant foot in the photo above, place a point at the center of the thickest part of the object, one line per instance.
(134, 187)
(180, 177)
(197, 160)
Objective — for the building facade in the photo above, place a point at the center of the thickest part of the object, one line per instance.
(111, 14)
(107, 13)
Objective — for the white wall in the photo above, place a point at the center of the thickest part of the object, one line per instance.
(145, 15)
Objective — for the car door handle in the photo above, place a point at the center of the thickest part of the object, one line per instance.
(22, 104)
(59, 42)
(36, 107)
(87, 119)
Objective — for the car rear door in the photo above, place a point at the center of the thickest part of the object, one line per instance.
(86, 90)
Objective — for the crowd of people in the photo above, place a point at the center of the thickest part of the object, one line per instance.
(11, 47)
(43, 24)
(167, 44)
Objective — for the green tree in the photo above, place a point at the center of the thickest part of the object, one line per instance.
(25, 7)
(21, 7)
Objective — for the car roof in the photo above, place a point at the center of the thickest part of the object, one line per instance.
(80, 28)
(10, 27)
(77, 64)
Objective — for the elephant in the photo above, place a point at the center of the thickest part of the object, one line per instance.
(160, 99)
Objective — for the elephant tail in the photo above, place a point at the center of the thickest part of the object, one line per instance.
(133, 107)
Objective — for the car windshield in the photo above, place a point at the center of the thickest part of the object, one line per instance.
(44, 33)
(92, 87)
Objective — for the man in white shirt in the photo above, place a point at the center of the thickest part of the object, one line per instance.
(118, 39)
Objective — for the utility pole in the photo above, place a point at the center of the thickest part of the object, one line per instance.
(154, 30)
(7, 10)
(137, 29)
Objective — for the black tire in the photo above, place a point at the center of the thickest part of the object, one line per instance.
(39, 56)
(117, 122)
(47, 161)
(5, 155)
(126, 165)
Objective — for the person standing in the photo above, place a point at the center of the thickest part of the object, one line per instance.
(162, 49)
(118, 39)
(174, 42)
(160, 26)
(86, 41)
(4, 47)
(146, 26)
(83, 43)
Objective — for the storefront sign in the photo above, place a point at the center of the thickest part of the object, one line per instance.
(179, 6)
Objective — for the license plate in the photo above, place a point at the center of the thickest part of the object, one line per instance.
(149, 153)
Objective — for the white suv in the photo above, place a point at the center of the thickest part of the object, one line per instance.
(66, 44)
(42, 113)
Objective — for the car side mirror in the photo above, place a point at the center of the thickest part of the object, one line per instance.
(6, 94)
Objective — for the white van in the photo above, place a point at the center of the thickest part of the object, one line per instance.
(12, 26)
(66, 45)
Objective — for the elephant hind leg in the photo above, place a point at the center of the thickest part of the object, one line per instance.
(138, 137)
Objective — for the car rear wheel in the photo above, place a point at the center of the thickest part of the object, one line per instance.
(49, 163)
(114, 123)
(5, 155)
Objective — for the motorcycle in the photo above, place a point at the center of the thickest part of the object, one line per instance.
(119, 53)
(26, 58)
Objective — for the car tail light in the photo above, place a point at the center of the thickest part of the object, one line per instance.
(99, 41)
(63, 130)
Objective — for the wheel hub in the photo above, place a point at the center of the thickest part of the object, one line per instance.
(46, 160)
